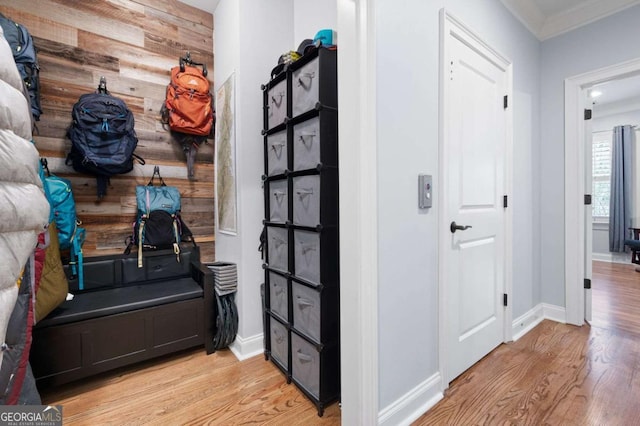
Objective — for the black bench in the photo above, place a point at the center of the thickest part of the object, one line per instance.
(126, 314)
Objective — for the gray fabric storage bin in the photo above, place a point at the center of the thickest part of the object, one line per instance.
(277, 153)
(277, 103)
(279, 343)
(307, 255)
(278, 201)
(305, 88)
(279, 295)
(277, 245)
(305, 364)
(306, 200)
(306, 144)
(306, 310)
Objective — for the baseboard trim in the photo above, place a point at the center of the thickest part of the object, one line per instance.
(611, 257)
(525, 323)
(413, 404)
(420, 399)
(245, 348)
(554, 312)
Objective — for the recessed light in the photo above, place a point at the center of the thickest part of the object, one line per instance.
(595, 93)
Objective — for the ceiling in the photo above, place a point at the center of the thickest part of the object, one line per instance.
(206, 5)
(617, 96)
(544, 18)
(549, 18)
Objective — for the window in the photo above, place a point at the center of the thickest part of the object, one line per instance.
(601, 174)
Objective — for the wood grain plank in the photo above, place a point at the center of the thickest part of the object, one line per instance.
(87, 58)
(125, 52)
(165, 46)
(142, 72)
(180, 10)
(179, 21)
(73, 14)
(172, 171)
(127, 12)
(42, 27)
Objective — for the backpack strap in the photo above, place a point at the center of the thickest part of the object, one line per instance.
(77, 258)
(176, 234)
(190, 152)
(156, 171)
(77, 254)
(140, 240)
(103, 183)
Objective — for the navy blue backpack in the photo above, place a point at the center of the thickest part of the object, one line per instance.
(24, 54)
(102, 137)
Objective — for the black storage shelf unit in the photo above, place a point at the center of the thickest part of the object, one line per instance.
(302, 296)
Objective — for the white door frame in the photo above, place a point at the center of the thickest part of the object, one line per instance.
(452, 27)
(357, 153)
(574, 178)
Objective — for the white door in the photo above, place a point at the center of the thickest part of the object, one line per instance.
(588, 212)
(475, 155)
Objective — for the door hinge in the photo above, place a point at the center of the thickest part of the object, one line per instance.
(505, 102)
(587, 283)
(505, 201)
(587, 114)
(504, 299)
(587, 199)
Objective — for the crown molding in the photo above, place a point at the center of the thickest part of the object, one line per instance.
(527, 12)
(546, 27)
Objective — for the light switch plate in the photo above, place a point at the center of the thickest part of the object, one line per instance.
(425, 191)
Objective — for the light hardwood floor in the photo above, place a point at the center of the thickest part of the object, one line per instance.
(556, 374)
(190, 388)
(559, 374)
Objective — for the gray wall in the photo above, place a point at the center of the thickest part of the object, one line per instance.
(407, 129)
(606, 42)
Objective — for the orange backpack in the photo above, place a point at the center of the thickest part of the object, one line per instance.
(188, 105)
(188, 108)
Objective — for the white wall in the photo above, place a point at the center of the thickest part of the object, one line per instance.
(249, 37)
(241, 27)
(615, 40)
(309, 16)
(407, 99)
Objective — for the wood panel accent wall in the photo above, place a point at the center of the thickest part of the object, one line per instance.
(134, 44)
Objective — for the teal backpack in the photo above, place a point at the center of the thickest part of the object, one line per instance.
(63, 211)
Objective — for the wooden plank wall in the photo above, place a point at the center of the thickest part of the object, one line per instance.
(134, 44)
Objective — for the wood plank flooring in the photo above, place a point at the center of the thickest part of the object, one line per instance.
(190, 388)
(616, 296)
(559, 374)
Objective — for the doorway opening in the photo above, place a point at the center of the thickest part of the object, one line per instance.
(578, 217)
(616, 116)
